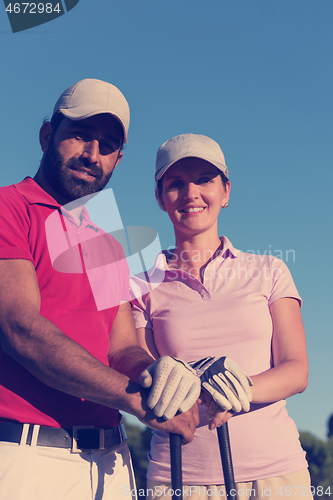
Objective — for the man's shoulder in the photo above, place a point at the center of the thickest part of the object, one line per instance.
(7, 190)
(15, 197)
(11, 194)
(16, 188)
(27, 192)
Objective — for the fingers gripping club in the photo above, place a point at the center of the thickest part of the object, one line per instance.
(226, 382)
(175, 386)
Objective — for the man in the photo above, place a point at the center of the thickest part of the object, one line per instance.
(64, 363)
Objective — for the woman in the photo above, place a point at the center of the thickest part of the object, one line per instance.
(217, 301)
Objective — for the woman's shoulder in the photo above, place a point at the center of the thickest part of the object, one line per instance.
(265, 258)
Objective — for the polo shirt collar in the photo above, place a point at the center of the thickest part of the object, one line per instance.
(228, 250)
(35, 195)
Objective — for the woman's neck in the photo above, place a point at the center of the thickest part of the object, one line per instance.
(192, 254)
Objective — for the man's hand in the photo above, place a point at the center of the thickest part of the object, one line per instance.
(175, 386)
(183, 424)
(214, 414)
(224, 380)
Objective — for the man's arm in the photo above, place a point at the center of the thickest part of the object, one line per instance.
(59, 362)
(125, 354)
(173, 385)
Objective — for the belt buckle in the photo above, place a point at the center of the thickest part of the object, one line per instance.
(76, 449)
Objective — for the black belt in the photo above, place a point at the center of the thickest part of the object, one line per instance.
(79, 439)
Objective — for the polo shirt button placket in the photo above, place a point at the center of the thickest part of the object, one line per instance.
(204, 294)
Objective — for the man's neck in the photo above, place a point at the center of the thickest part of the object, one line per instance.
(75, 210)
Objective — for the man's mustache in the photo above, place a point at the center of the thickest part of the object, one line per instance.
(77, 164)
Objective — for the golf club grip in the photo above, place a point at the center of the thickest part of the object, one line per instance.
(176, 465)
(228, 470)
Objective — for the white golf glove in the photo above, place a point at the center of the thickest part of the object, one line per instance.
(175, 386)
(224, 380)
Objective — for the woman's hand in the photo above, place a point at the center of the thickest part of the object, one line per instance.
(225, 381)
(214, 413)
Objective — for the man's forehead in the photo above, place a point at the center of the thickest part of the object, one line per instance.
(103, 123)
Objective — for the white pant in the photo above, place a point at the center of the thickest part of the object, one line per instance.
(43, 473)
(296, 485)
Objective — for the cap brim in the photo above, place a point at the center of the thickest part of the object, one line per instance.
(216, 164)
(81, 113)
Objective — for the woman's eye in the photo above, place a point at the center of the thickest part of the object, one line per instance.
(205, 180)
(174, 185)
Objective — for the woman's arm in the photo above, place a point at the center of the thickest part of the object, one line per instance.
(289, 375)
(146, 341)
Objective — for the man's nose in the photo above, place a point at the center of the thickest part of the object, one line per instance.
(91, 151)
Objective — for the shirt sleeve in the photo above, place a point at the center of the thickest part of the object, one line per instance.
(124, 272)
(14, 226)
(140, 304)
(283, 285)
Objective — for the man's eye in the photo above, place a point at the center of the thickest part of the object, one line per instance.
(106, 148)
(81, 136)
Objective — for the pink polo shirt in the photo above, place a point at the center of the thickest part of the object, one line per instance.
(68, 260)
(226, 315)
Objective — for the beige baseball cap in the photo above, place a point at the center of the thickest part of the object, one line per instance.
(91, 97)
(186, 146)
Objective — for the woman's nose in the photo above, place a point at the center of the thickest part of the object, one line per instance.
(191, 191)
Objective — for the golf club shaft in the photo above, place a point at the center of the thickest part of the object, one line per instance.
(176, 465)
(228, 471)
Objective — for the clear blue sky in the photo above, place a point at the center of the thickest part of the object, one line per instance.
(255, 75)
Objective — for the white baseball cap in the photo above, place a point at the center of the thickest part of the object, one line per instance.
(91, 97)
(189, 146)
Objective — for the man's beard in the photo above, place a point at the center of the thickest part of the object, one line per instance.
(70, 187)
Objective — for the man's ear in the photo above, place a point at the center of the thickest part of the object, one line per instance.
(45, 136)
(119, 157)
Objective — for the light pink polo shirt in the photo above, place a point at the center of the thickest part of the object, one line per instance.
(226, 315)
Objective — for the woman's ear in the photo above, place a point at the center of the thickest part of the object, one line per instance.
(227, 194)
(159, 201)
(45, 136)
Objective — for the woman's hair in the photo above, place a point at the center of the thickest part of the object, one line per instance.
(159, 186)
